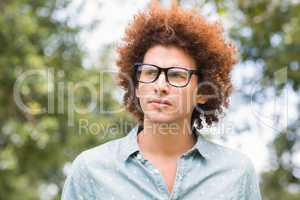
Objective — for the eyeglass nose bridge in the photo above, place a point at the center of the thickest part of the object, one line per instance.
(165, 72)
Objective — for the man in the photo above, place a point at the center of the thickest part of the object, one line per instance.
(174, 68)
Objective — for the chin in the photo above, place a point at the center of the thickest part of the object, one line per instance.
(161, 118)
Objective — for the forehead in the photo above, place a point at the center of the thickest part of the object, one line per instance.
(169, 56)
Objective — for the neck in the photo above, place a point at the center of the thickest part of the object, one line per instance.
(166, 139)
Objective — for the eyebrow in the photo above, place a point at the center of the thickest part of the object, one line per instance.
(189, 67)
(172, 65)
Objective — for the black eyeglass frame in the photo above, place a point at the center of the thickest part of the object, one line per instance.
(165, 70)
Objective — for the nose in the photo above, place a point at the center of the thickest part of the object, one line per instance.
(161, 84)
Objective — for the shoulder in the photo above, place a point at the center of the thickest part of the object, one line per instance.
(87, 166)
(103, 155)
(85, 169)
(231, 158)
(241, 168)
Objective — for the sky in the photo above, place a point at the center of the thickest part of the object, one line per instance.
(255, 120)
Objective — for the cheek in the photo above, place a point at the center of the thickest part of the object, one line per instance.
(141, 91)
(188, 99)
(184, 100)
(193, 89)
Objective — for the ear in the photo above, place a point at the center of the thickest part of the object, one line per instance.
(201, 99)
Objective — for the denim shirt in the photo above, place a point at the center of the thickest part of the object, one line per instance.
(117, 170)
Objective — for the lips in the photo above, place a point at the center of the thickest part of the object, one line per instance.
(160, 102)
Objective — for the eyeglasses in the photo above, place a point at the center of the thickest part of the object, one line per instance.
(175, 76)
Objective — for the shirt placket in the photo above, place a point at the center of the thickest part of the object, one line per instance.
(180, 173)
(158, 178)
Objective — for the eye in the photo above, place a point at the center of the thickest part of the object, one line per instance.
(178, 73)
(150, 71)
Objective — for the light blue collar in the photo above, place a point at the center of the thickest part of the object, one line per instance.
(129, 144)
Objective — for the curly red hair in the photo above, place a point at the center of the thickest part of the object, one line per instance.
(202, 40)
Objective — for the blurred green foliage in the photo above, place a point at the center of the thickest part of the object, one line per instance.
(36, 143)
(274, 42)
